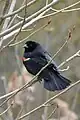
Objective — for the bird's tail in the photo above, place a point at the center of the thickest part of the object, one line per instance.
(55, 81)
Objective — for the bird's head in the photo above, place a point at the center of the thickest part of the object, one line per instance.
(30, 46)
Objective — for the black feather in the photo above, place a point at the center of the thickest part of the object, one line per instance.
(39, 57)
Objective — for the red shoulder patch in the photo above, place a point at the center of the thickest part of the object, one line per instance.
(25, 59)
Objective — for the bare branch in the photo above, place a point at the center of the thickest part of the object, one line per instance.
(6, 4)
(6, 109)
(11, 45)
(46, 2)
(15, 37)
(63, 63)
(12, 21)
(64, 69)
(17, 11)
(10, 31)
(53, 111)
(71, 10)
(37, 17)
(49, 100)
(33, 80)
(5, 25)
(77, 54)
(61, 10)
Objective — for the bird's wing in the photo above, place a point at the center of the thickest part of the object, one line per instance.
(52, 64)
(40, 59)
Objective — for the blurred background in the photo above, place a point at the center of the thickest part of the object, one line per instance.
(13, 75)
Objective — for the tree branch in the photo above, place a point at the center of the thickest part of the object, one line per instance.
(77, 54)
(17, 11)
(48, 101)
(33, 80)
(36, 15)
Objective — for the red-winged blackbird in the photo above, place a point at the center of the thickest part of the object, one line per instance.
(36, 57)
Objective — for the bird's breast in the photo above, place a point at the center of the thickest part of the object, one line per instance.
(32, 66)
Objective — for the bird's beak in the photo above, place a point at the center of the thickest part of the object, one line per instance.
(25, 46)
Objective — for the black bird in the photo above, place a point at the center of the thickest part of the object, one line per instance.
(35, 57)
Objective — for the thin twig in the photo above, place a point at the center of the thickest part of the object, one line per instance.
(63, 70)
(10, 31)
(6, 109)
(5, 7)
(15, 37)
(6, 22)
(61, 10)
(63, 63)
(53, 111)
(20, 112)
(33, 79)
(17, 11)
(77, 54)
(49, 100)
(12, 21)
(46, 2)
(35, 16)
(57, 11)
(19, 17)
(71, 10)
(11, 45)
(16, 15)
